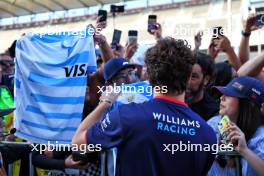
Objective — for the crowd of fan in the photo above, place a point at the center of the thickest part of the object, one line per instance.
(245, 112)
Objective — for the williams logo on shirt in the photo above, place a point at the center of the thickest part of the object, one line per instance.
(167, 123)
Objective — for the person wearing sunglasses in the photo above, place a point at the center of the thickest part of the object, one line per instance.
(6, 64)
(7, 70)
(118, 71)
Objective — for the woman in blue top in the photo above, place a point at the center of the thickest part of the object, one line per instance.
(241, 101)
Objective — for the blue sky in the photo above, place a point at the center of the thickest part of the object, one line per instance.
(82, 11)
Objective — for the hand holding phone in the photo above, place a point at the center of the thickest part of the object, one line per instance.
(103, 15)
(116, 38)
(198, 40)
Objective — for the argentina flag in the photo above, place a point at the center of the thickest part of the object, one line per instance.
(50, 85)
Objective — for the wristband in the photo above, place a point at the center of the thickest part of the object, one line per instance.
(246, 34)
(105, 100)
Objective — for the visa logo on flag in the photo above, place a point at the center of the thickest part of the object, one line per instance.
(76, 70)
(50, 85)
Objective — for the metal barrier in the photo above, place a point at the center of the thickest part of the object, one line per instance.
(10, 166)
(236, 156)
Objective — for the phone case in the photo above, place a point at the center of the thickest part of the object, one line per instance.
(222, 126)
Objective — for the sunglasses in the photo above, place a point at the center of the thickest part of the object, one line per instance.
(6, 63)
(125, 75)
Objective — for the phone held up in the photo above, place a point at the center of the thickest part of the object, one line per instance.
(152, 23)
(259, 20)
(103, 15)
(132, 36)
(116, 39)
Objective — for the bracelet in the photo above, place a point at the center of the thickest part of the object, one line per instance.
(246, 34)
(105, 100)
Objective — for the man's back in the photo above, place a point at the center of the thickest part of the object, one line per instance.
(146, 133)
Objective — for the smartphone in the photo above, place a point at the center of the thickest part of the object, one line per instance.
(132, 36)
(259, 20)
(217, 31)
(103, 14)
(222, 126)
(152, 20)
(116, 38)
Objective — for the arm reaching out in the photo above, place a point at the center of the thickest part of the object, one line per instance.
(224, 44)
(253, 67)
(249, 26)
(106, 99)
(238, 137)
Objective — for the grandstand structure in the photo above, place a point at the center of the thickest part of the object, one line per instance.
(178, 19)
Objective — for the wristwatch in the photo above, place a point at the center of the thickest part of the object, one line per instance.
(246, 34)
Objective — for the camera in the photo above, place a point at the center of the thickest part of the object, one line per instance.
(118, 9)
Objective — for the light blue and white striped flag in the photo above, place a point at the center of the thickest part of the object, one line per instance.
(50, 84)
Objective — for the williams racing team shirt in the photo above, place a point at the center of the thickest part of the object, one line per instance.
(149, 136)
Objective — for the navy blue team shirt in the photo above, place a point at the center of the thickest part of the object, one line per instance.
(141, 132)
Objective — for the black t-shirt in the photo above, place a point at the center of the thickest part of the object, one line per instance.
(206, 108)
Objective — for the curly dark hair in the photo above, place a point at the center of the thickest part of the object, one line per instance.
(169, 63)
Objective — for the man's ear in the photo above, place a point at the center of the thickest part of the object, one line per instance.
(206, 80)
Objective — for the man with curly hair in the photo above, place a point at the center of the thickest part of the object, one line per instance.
(148, 135)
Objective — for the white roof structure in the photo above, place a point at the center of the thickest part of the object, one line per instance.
(15, 8)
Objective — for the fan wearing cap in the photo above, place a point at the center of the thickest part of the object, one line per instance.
(241, 101)
(118, 71)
